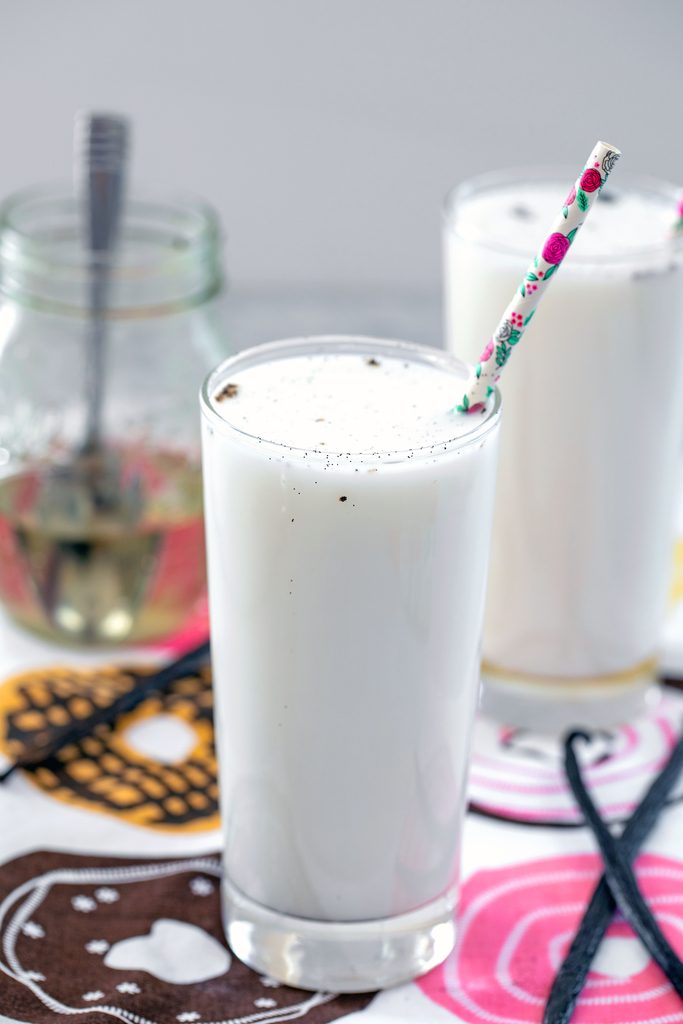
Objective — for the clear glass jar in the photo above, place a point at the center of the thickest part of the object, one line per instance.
(104, 546)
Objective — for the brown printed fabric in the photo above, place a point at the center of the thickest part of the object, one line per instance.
(139, 941)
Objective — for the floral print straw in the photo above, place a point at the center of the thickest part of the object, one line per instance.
(530, 292)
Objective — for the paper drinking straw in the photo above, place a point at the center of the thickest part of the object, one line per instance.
(523, 305)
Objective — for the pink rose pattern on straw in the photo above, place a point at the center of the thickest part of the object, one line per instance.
(519, 312)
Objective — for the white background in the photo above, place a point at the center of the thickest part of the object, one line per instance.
(328, 131)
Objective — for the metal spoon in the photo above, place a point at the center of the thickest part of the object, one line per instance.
(101, 153)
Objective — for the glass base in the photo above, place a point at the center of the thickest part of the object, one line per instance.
(349, 956)
(554, 704)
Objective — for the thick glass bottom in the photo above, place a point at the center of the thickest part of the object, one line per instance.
(555, 704)
(335, 956)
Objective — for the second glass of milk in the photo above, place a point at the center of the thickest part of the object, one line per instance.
(348, 514)
(584, 523)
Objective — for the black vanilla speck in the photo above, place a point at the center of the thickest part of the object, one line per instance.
(229, 391)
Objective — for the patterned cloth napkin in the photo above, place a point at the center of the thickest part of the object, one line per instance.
(109, 904)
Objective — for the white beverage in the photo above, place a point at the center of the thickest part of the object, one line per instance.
(348, 519)
(583, 530)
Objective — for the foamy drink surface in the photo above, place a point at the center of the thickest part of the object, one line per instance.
(340, 404)
(517, 218)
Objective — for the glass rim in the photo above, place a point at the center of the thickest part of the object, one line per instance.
(564, 175)
(344, 344)
(16, 240)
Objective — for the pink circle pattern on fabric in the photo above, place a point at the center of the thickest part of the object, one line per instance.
(518, 776)
(515, 925)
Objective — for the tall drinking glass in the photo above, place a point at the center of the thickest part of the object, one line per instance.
(584, 523)
(348, 514)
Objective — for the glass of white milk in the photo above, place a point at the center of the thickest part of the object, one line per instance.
(584, 522)
(348, 514)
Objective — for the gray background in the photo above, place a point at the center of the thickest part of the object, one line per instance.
(327, 131)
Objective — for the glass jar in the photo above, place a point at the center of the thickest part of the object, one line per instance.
(104, 543)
